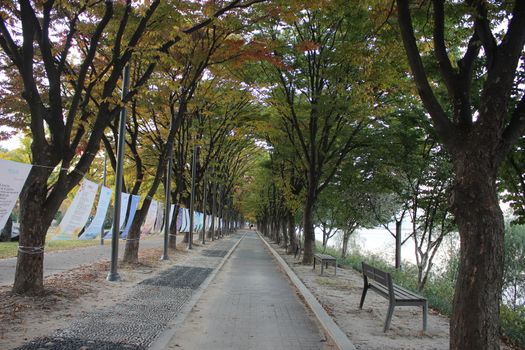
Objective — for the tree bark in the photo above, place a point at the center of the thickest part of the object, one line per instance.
(309, 232)
(344, 249)
(291, 232)
(284, 231)
(131, 251)
(475, 321)
(29, 276)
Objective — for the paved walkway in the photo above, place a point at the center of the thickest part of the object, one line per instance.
(249, 305)
(59, 261)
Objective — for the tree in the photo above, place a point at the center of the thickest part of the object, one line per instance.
(478, 125)
(429, 189)
(318, 95)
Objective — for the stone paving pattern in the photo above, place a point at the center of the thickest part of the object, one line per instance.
(249, 305)
(147, 310)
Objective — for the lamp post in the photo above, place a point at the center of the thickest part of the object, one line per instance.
(167, 211)
(213, 205)
(113, 274)
(104, 184)
(192, 196)
(204, 200)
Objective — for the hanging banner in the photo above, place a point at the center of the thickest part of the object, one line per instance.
(172, 209)
(135, 200)
(209, 220)
(95, 227)
(159, 220)
(151, 216)
(124, 199)
(179, 219)
(13, 175)
(198, 221)
(185, 225)
(78, 212)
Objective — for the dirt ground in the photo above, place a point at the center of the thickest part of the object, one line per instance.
(340, 296)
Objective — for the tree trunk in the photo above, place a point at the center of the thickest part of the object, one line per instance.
(309, 232)
(291, 232)
(29, 275)
(284, 231)
(172, 239)
(131, 251)
(344, 249)
(475, 321)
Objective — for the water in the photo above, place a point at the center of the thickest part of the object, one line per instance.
(378, 241)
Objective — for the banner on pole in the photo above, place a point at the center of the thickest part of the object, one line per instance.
(179, 219)
(209, 220)
(135, 199)
(172, 209)
(185, 225)
(160, 218)
(151, 216)
(95, 227)
(78, 212)
(198, 221)
(13, 175)
(124, 199)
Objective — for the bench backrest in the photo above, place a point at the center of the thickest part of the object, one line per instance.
(379, 276)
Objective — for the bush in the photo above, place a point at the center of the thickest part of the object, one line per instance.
(513, 324)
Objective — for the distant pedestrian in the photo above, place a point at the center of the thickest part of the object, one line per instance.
(251, 225)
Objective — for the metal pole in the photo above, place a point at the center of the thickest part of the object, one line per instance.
(192, 196)
(104, 183)
(204, 200)
(113, 274)
(167, 211)
(219, 226)
(213, 205)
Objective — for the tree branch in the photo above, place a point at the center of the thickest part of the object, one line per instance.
(443, 125)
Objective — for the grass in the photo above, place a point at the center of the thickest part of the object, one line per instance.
(9, 249)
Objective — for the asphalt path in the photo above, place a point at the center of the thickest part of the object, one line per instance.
(250, 305)
(64, 260)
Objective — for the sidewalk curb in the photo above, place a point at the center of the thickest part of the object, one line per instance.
(338, 336)
(162, 341)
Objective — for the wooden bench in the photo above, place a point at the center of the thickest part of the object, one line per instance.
(325, 259)
(381, 282)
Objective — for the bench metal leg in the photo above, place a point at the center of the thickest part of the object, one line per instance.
(314, 265)
(365, 289)
(389, 317)
(425, 312)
